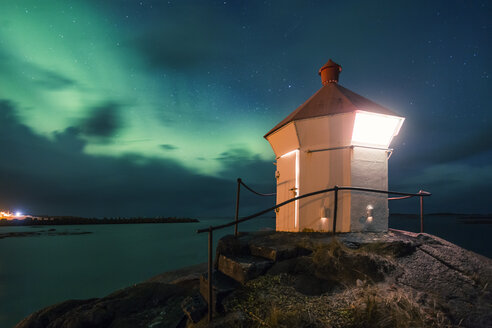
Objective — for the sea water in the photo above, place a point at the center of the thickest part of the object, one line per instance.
(38, 271)
(452, 228)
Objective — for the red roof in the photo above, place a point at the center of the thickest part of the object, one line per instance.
(329, 100)
(330, 64)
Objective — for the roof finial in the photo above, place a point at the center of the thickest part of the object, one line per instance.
(329, 72)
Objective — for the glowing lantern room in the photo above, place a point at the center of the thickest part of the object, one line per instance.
(336, 137)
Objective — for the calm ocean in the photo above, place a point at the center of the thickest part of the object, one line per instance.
(39, 271)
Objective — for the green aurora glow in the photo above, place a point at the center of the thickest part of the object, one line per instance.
(136, 107)
(60, 63)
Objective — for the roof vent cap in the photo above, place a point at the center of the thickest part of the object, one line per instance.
(329, 72)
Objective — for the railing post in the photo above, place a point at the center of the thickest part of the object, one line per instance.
(210, 278)
(335, 211)
(237, 206)
(421, 212)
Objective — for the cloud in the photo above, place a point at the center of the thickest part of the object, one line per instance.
(463, 149)
(16, 70)
(236, 155)
(185, 38)
(69, 139)
(176, 50)
(103, 122)
(240, 162)
(441, 145)
(168, 147)
(51, 80)
(54, 176)
(455, 187)
(427, 143)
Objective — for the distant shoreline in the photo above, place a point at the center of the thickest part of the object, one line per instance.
(461, 218)
(464, 215)
(69, 220)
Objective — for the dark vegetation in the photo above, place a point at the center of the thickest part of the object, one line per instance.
(48, 232)
(74, 220)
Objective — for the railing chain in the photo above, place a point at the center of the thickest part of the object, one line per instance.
(239, 183)
(255, 192)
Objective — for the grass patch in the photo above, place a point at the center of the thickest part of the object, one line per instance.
(373, 307)
(338, 263)
(279, 318)
(270, 301)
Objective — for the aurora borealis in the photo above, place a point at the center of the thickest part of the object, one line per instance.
(119, 108)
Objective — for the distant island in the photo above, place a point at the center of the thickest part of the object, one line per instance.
(74, 220)
(463, 218)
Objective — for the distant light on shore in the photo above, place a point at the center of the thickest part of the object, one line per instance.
(11, 216)
(5, 214)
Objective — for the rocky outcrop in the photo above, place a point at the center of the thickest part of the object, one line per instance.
(148, 304)
(273, 279)
(393, 279)
(155, 303)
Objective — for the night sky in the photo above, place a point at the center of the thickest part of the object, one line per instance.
(123, 108)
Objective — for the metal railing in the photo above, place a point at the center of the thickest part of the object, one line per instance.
(403, 195)
(239, 183)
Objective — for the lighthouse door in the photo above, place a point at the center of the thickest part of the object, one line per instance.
(287, 188)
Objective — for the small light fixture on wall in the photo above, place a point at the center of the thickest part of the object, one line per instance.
(324, 213)
(369, 216)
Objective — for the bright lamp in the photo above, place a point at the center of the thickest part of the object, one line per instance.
(376, 130)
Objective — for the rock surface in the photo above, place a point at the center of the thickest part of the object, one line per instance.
(393, 279)
(194, 307)
(243, 268)
(155, 303)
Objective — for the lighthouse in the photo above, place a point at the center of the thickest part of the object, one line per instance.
(336, 137)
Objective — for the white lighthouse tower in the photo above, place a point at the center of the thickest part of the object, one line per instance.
(336, 137)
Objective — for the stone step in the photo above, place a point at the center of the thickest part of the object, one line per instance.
(194, 307)
(222, 286)
(277, 252)
(243, 268)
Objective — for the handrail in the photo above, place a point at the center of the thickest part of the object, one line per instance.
(421, 194)
(225, 225)
(253, 191)
(247, 218)
(398, 198)
(239, 183)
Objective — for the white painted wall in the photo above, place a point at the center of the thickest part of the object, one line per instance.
(369, 169)
(358, 167)
(321, 170)
(325, 131)
(324, 169)
(284, 140)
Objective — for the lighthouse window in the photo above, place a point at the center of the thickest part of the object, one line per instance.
(377, 130)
